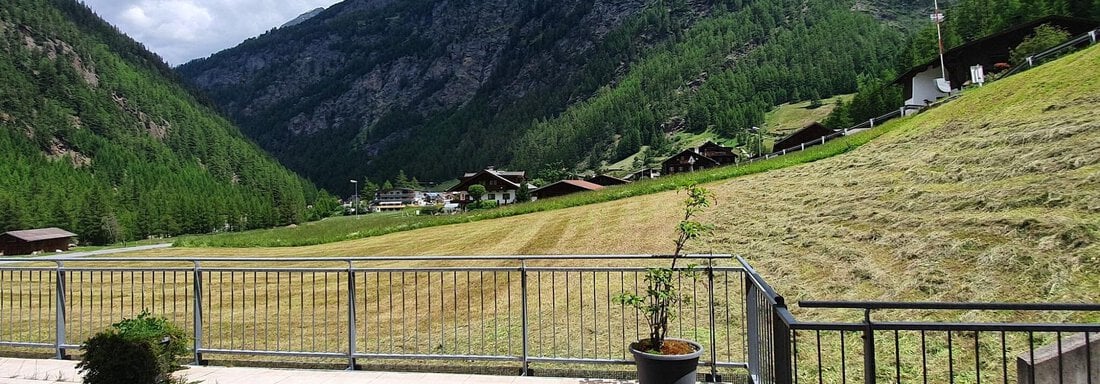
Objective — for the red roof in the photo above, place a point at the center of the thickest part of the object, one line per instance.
(583, 184)
(40, 234)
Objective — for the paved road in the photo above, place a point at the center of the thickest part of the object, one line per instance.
(77, 255)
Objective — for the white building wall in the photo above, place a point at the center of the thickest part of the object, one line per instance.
(924, 87)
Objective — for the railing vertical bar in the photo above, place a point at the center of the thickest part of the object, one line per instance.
(59, 333)
(924, 356)
(950, 358)
(1088, 355)
(1004, 358)
(843, 360)
(523, 317)
(351, 317)
(197, 312)
(869, 368)
(713, 326)
(897, 357)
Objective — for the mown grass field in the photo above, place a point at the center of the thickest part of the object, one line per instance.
(992, 197)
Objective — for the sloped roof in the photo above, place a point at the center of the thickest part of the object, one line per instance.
(691, 152)
(40, 234)
(576, 183)
(468, 178)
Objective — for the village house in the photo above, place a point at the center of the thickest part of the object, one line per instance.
(722, 154)
(406, 196)
(648, 173)
(500, 186)
(35, 240)
(968, 63)
(565, 187)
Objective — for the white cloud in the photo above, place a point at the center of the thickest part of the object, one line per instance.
(182, 30)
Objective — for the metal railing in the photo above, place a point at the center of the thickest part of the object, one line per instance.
(869, 124)
(513, 309)
(871, 351)
(1032, 61)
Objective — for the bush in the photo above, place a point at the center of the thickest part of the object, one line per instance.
(145, 349)
(482, 204)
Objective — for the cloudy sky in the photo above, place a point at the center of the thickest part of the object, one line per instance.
(181, 30)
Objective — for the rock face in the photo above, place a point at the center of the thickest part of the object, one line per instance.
(332, 81)
(303, 17)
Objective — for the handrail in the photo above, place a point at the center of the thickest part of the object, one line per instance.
(58, 259)
(871, 305)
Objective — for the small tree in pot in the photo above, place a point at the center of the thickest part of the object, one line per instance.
(659, 359)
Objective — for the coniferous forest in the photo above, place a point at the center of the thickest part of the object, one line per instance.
(97, 136)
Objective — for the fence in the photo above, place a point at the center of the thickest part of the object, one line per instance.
(516, 311)
(792, 351)
(511, 310)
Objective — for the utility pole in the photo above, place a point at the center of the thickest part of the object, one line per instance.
(938, 18)
(355, 197)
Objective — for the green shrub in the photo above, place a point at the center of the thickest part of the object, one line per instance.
(144, 349)
(482, 204)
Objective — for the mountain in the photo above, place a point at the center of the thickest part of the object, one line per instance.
(98, 135)
(372, 87)
(303, 17)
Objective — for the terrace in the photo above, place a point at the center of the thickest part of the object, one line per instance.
(542, 316)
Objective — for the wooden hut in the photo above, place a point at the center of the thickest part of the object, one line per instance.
(35, 240)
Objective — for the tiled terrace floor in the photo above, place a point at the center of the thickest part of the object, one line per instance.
(38, 371)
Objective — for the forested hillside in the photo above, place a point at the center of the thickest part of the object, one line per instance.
(438, 88)
(97, 136)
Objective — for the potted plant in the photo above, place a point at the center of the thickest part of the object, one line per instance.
(659, 359)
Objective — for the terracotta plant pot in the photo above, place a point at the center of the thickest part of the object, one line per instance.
(667, 369)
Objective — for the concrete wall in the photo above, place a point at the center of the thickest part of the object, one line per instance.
(1073, 362)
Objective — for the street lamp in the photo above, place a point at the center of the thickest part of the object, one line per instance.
(355, 197)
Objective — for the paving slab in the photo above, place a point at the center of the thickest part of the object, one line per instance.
(40, 371)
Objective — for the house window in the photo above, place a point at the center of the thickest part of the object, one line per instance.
(507, 196)
(492, 196)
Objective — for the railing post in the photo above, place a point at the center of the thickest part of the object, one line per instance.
(1092, 36)
(1030, 63)
(872, 121)
(869, 370)
(351, 317)
(752, 329)
(197, 288)
(59, 339)
(524, 370)
(781, 332)
(713, 377)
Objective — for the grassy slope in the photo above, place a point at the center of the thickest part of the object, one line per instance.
(787, 118)
(993, 197)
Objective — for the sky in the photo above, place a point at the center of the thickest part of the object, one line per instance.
(182, 30)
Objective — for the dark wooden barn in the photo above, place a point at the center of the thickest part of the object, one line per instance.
(564, 187)
(723, 155)
(35, 240)
(606, 180)
(687, 161)
(810, 133)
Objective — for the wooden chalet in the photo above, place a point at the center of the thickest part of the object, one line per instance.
(722, 154)
(501, 186)
(606, 180)
(809, 134)
(35, 240)
(648, 173)
(565, 187)
(687, 161)
(921, 85)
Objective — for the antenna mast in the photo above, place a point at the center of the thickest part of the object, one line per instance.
(938, 18)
